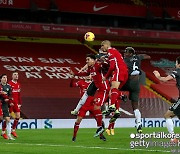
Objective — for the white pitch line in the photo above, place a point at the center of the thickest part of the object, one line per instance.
(86, 147)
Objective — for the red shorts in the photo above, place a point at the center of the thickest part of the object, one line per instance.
(14, 108)
(84, 109)
(101, 97)
(121, 77)
(88, 106)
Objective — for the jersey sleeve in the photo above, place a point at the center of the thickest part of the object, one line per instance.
(174, 74)
(74, 83)
(82, 73)
(141, 57)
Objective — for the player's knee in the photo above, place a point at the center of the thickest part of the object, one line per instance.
(78, 120)
(135, 104)
(18, 115)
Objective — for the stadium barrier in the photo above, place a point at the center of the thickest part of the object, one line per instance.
(90, 123)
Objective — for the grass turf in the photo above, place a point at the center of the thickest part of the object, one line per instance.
(50, 141)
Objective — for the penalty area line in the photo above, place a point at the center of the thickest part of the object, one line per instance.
(88, 147)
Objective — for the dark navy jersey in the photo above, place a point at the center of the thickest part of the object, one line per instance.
(6, 88)
(176, 74)
(134, 64)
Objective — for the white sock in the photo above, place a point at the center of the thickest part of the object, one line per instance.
(170, 125)
(8, 126)
(81, 101)
(137, 114)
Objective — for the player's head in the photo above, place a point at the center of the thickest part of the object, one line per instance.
(178, 62)
(3, 78)
(102, 57)
(15, 76)
(90, 59)
(105, 45)
(129, 51)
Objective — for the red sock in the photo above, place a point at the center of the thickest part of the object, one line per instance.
(15, 123)
(112, 125)
(114, 95)
(117, 103)
(76, 127)
(98, 117)
(4, 126)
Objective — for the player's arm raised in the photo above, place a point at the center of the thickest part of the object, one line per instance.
(164, 79)
(83, 68)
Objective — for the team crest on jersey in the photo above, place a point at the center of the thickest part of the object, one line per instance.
(133, 59)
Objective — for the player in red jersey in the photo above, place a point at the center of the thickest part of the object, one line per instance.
(16, 89)
(87, 106)
(82, 84)
(118, 72)
(95, 70)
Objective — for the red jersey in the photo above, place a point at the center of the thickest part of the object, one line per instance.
(116, 61)
(16, 89)
(82, 84)
(97, 75)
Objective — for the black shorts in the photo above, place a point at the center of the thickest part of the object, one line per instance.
(133, 86)
(176, 108)
(5, 110)
(91, 89)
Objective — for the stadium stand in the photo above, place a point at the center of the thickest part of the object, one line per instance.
(45, 82)
(44, 66)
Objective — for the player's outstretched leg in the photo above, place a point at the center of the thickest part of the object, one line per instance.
(99, 131)
(76, 128)
(112, 128)
(98, 116)
(137, 114)
(102, 137)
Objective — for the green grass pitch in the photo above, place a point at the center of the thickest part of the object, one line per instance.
(58, 141)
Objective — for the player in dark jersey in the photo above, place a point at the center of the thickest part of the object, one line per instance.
(6, 88)
(1, 112)
(133, 62)
(174, 110)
